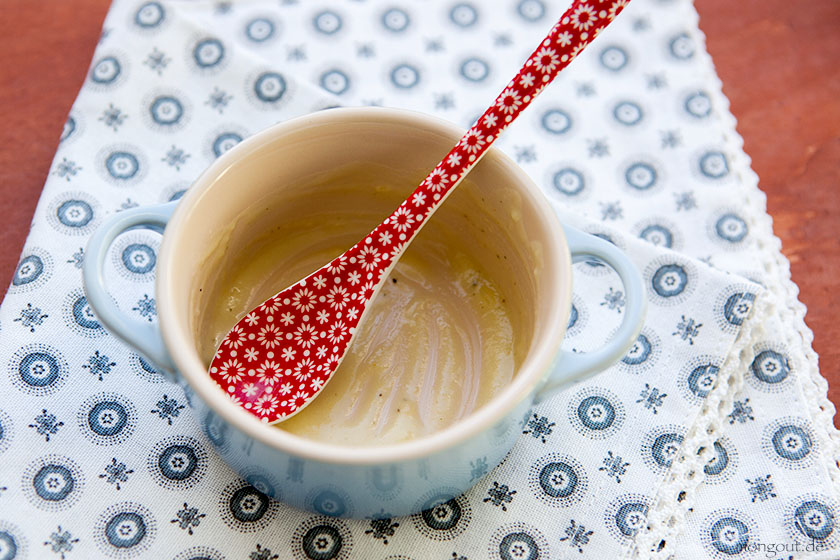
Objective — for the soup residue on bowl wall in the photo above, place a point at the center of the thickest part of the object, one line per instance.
(438, 342)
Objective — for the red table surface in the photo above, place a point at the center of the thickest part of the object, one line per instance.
(777, 60)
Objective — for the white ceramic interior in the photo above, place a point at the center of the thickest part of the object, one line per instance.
(280, 173)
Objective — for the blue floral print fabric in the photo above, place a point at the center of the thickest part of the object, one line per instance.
(100, 457)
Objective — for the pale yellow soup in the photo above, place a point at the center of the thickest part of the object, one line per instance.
(437, 343)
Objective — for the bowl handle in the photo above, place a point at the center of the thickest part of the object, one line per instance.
(139, 334)
(570, 367)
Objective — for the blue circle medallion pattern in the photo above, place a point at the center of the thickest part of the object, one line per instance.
(669, 280)
(628, 113)
(625, 516)
(719, 462)
(12, 543)
(122, 165)
(405, 76)
(701, 380)
(641, 176)
(246, 509)
(531, 10)
(107, 419)
(641, 355)
(396, 20)
(79, 316)
(321, 538)
(578, 318)
(568, 181)
(335, 81)
(37, 369)
(32, 271)
(596, 413)
(698, 105)
(558, 480)
(731, 227)
(224, 142)
(814, 519)
(639, 352)
(474, 69)
(670, 283)
(729, 535)
(463, 15)
(248, 504)
(442, 517)
(665, 448)
(216, 430)
(737, 307)
(8, 545)
(28, 271)
(138, 258)
(714, 165)
(724, 462)
(150, 15)
(106, 71)
(125, 530)
(52, 483)
(260, 30)
(322, 542)
(790, 442)
(556, 121)
(327, 22)
(573, 317)
(614, 58)
(270, 87)
(177, 463)
(166, 110)
(74, 213)
(208, 53)
(770, 366)
(517, 541)
(681, 47)
(519, 545)
(631, 518)
(657, 234)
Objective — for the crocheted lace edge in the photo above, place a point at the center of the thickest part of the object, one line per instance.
(675, 496)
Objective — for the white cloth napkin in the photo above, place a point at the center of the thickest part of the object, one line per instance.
(712, 438)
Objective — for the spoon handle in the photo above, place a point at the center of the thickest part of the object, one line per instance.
(579, 25)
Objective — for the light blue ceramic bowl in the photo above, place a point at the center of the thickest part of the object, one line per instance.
(390, 480)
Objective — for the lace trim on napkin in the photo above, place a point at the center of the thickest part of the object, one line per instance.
(676, 495)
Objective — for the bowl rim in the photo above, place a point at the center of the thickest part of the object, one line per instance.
(530, 376)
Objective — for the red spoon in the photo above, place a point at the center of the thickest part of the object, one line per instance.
(278, 357)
